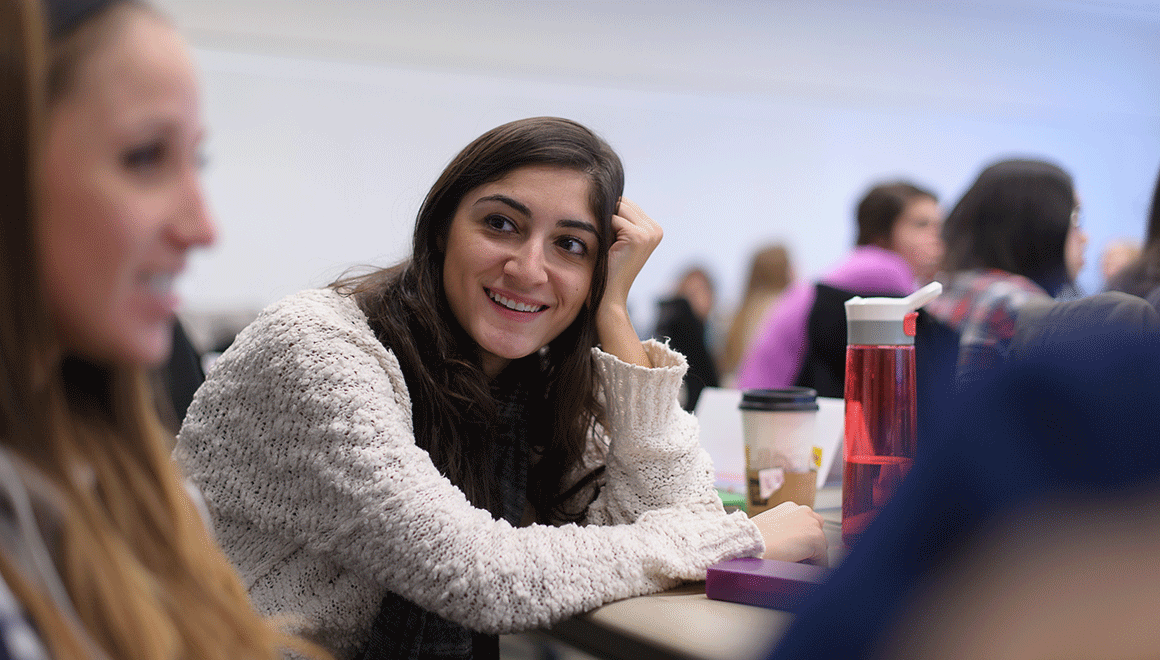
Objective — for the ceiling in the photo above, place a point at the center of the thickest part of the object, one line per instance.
(945, 50)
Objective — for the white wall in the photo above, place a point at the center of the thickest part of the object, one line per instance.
(738, 122)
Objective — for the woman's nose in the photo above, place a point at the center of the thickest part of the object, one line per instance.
(193, 225)
(527, 264)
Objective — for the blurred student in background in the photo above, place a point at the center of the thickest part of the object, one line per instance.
(102, 547)
(898, 246)
(1013, 238)
(683, 319)
(1141, 277)
(770, 272)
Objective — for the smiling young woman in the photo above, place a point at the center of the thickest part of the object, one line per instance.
(395, 459)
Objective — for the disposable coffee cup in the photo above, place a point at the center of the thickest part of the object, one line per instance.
(778, 428)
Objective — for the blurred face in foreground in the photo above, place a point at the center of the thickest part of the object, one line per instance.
(120, 197)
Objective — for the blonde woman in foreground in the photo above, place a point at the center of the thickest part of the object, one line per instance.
(103, 554)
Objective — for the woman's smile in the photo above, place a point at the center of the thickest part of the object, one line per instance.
(513, 303)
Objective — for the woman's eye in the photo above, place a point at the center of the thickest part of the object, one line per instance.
(144, 157)
(499, 223)
(574, 246)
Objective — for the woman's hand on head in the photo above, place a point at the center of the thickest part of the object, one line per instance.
(793, 532)
(635, 236)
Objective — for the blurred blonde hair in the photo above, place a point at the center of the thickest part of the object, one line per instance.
(769, 274)
(142, 573)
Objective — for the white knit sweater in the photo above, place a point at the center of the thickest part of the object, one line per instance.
(302, 442)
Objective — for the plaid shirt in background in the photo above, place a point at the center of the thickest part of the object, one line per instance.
(18, 641)
(981, 305)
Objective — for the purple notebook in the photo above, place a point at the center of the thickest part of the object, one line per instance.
(779, 585)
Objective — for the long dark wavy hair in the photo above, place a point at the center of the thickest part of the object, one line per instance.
(1015, 217)
(451, 397)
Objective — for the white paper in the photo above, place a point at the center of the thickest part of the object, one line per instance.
(721, 436)
(830, 429)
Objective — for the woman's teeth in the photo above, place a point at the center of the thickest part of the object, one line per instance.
(513, 305)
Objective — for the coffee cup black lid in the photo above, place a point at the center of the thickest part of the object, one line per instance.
(785, 399)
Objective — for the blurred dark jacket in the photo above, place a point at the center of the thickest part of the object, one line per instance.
(686, 334)
(178, 379)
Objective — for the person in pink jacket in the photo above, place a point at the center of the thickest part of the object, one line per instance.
(898, 247)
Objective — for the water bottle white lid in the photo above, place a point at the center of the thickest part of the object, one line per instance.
(890, 309)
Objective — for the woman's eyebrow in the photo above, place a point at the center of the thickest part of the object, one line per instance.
(504, 199)
(582, 225)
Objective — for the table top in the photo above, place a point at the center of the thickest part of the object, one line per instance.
(683, 624)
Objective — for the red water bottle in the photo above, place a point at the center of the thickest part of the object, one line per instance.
(881, 410)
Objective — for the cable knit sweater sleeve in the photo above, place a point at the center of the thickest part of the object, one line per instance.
(301, 440)
(655, 459)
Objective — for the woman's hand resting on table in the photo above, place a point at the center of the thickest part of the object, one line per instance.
(792, 532)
